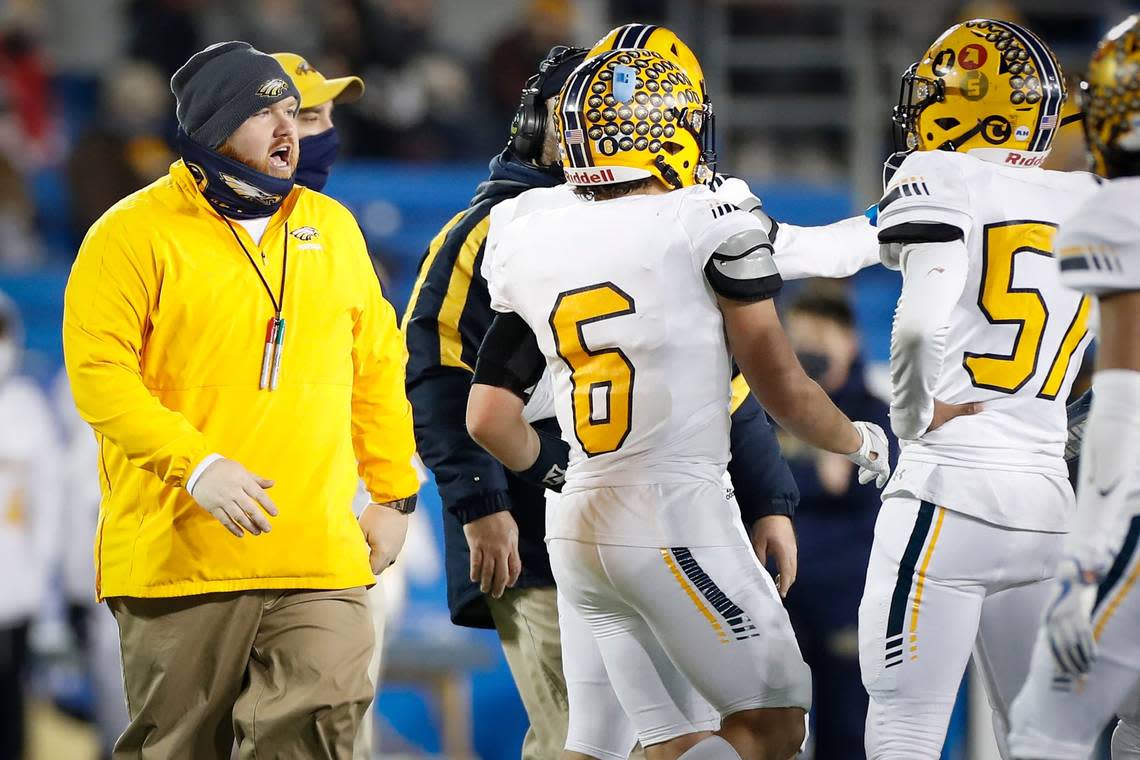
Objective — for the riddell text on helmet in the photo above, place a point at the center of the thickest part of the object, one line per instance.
(1020, 159)
(590, 177)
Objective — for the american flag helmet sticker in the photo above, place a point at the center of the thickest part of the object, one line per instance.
(574, 137)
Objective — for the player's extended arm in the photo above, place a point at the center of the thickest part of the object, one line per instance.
(835, 250)
(933, 277)
(766, 358)
(832, 250)
(1108, 459)
(510, 362)
(1112, 434)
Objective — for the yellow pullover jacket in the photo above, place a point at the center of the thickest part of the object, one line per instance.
(164, 329)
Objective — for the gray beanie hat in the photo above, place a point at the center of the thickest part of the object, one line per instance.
(222, 86)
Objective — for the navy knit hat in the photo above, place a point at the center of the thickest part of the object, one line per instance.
(222, 86)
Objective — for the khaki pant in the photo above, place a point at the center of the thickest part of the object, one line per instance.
(527, 622)
(285, 673)
(364, 748)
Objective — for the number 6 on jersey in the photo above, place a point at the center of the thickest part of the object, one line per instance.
(602, 378)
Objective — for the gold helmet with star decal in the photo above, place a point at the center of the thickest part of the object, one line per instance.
(1110, 97)
(983, 85)
(628, 114)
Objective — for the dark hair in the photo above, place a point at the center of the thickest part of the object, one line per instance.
(826, 305)
(616, 190)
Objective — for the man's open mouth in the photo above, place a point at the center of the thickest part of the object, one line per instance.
(279, 157)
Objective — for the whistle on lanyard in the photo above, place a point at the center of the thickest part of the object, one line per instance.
(271, 356)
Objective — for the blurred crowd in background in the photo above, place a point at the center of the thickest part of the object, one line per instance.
(803, 91)
(86, 111)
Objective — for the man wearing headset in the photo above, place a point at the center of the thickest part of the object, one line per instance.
(498, 569)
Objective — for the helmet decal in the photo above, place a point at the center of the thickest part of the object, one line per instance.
(983, 84)
(636, 113)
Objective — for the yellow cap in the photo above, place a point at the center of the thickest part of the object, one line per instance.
(314, 88)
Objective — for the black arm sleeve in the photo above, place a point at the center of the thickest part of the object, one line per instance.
(921, 232)
(761, 478)
(509, 357)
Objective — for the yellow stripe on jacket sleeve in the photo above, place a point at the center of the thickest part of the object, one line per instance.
(740, 391)
(450, 341)
(425, 268)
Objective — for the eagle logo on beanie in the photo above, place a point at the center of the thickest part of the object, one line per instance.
(248, 192)
(272, 88)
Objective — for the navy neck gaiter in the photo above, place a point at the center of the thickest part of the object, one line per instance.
(318, 152)
(232, 188)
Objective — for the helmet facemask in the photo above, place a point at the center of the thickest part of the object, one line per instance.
(915, 94)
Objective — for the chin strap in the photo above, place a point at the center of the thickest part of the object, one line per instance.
(954, 142)
(668, 172)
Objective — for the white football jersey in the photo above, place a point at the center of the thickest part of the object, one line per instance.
(31, 500)
(616, 295)
(1099, 246)
(835, 250)
(1015, 338)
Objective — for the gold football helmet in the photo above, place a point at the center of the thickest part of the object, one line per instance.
(628, 114)
(1110, 97)
(659, 40)
(983, 85)
(663, 41)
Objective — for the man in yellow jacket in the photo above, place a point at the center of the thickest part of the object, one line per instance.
(226, 337)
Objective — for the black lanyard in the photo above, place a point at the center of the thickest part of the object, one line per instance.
(279, 302)
(275, 330)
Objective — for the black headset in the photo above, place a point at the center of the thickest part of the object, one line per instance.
(528, 130)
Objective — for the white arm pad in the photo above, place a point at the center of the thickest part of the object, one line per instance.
(834, 250)
(1108, 464)
(933, 277)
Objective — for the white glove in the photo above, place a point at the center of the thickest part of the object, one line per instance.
(873, 455)
(1068, 619)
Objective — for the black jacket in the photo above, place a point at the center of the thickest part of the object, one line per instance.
(447, 316)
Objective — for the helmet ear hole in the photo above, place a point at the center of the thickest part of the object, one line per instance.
(947, 122)
(672, 148)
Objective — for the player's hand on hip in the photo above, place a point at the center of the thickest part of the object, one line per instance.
(235, 497)
(773, 537)
(944, 412)
(494, 544)
(385, 530)
(873, 455)
(1068, 619)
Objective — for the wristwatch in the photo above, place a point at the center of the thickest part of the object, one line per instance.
(404, 506)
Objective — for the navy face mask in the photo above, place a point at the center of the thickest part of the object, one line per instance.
(318, 152)
(232, 188)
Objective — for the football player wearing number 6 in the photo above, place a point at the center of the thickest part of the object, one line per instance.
(1086, 661)
(626, 294)
(985, 346)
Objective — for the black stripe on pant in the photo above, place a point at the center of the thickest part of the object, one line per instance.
(737, 619)
(1119, 565)
(904, 583)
